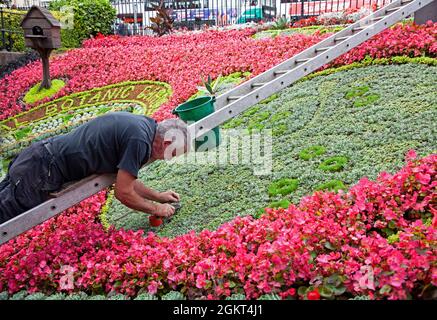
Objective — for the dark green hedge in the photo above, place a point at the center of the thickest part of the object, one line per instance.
(12, 20)
(90, 18)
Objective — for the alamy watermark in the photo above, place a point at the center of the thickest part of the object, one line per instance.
(230, 147)
(66, 282)
(67, 17)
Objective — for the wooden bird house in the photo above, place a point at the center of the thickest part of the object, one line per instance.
(42, 32)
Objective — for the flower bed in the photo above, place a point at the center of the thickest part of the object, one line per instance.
(333, 243)
(180, 60)
(64, 114)
(314, 113)
(375, 241)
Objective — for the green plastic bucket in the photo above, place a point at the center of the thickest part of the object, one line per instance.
(194, 110)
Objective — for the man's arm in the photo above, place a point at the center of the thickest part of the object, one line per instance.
(126, 194)
(148, 193)
(145, 192)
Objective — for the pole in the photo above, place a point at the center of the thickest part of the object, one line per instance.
(46, 82)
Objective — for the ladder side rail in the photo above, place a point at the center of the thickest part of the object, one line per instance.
(310, 52)
(256, 95)
(35, 216)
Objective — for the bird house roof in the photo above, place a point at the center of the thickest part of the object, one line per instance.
(40, 13)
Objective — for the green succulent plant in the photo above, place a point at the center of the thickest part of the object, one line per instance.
(210, 86)
(312, 152)
(270, 296)
(146, 296)
(332, 185)
(283, 187)
(173, 295)
(236, 296)
(333, 164)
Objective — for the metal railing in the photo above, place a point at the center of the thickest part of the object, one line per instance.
(133, 16)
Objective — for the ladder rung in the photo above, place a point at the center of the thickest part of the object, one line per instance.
(392, 9)
(280, 72)
(323, 49)
(254, 85)
(359, 28)
(377, 18)
(341, 38)
(302, 60)
(234, 97)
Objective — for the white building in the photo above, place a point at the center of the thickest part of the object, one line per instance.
(29, 3)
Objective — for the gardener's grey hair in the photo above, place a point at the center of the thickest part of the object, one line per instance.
(168, 129)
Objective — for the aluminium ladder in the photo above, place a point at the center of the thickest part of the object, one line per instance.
(232, 103)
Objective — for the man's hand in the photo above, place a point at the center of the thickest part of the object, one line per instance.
(163, 210)
(125, 192)
(169, 196)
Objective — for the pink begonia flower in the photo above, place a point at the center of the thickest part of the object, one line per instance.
(411, 155)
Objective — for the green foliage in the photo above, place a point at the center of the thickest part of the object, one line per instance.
(146, 296)
(236, 296)
(270, 296)
(283, 187)
(34, 94)
(77, 296)
(173, 295)
(162, 22)
(333, 164)
(360, 298)
(220, 85)
(316, 113)
(332, 185)
(211, 87)
(118, 296)
(373, 62)
(332, 286)
(70, 38)
(272, 33)
(12, 20)
(36, 296)
(393, 238)
(105, 209)
(366, 100)
(57, 296)
(279, 204)
(21, 295)
(356, 92)
(90, 18)
(22, 133)
(312, 152)
(97, 297)
(269, 99)
(280, 24)
(24, 295)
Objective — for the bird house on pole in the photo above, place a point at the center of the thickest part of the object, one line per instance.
(42, 32)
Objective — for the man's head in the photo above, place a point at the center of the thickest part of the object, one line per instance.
(170, 139)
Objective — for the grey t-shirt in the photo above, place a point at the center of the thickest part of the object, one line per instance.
(119, 140)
